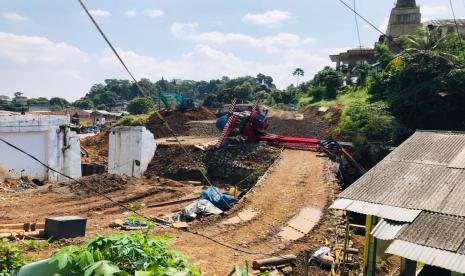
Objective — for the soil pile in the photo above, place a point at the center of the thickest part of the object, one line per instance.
(104, 183)
(227, 165)
(96, 149)
(315, 124)
(177, 121)
(203, 129)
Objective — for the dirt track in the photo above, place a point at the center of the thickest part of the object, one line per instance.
(298, 181)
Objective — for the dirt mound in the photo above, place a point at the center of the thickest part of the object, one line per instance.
(203, 129)
(227, 165)
(104, 183)
(314, 124)
(96, 149)
(177, 121)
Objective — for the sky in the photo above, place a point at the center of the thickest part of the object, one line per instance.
(49, 48)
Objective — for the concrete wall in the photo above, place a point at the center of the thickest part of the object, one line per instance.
(42, 137)
(128, 145)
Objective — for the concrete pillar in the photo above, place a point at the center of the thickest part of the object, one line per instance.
(408, 267)
(131, 150)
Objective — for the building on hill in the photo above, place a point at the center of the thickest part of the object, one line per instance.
(414, 204)
(446, 26)
(405, 19)
(346, 61)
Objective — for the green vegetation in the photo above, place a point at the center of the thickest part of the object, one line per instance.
(133, 120)
(140, 105)
(136, 254)
(11, 257)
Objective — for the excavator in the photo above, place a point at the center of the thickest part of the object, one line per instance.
(250, 126)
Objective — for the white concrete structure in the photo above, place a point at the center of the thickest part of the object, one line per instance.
(46, 137)
(131, 149)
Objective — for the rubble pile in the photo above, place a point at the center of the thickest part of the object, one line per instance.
(227, 165)
(95, 149)
(314, 124)
(177, 121)
(104, 183)
(203, 129)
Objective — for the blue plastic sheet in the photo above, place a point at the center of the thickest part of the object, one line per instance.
(221, 201)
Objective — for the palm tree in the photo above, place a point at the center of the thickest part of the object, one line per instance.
(298, 72)
(427, 42)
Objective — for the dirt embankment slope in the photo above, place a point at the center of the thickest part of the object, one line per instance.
(297, 181)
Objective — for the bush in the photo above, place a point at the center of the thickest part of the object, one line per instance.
(371, 127)
(135, 254)
(10, 258)
(133, 120)
(139, 105)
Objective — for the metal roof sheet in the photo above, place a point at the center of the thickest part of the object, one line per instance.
(416, 175)
(436, 230)
(387, 229)
(382, 211)
(432, 256)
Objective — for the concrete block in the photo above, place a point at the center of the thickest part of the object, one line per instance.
(65, 227)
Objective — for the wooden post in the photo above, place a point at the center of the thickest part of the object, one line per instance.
(306, 259)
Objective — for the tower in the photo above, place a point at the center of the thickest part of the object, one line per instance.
(405, 19)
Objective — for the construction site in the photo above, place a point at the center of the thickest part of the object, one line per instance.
(281, 195)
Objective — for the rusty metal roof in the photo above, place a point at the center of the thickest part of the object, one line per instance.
(423, 173)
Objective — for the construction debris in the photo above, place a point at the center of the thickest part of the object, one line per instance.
(273, 262)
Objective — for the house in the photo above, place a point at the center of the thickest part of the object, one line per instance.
(20, 99)
(414, 200)
(346, 61)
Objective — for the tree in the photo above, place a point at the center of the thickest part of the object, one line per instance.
(331, 80)
(210, 99)
(298, 72)
(383, 55)
(361, 70)
(84, 104)
(140, 105)
(57, 104)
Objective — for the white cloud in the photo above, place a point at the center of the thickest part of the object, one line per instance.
(15, 17)
(271, 44)
(267, 18)
(130, 13)
(40, 67)
(436, 11)
(383, 26)
(100, 13)
(154, 13)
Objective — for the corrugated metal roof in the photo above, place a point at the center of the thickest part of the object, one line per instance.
(387, 229)
(436, 230)
(382, 211)
(432, 256)
(459, 160)
(416, 176)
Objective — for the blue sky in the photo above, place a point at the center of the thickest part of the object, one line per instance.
(49, 47)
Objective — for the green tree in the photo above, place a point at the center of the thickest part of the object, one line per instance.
(139, 105)
(57, 104)
(383, 55)
(361, 70)
(210, 99)
(298, 72)
(331, 80)
(84, 104)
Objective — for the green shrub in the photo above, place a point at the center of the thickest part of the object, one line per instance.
(134, 254)
(10, 257)
(133, 120)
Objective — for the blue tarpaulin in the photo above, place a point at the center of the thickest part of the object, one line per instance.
(222, 201)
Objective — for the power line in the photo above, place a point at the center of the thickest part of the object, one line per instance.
(455, 18)
(357, 27)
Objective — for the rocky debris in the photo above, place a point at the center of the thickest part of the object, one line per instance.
(177, 121)
(26, 186)
(314, 124)
(203, 129)
(104, 183)
(227, 165)
(96, 149)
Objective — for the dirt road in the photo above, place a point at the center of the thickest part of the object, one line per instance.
(296, 182)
